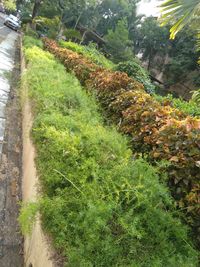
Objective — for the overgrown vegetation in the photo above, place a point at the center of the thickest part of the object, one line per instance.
(161, 132)
(134, 69)
(118, 44)
(190, 107)
(101, 206)
(116, 27)
(29, 41)
(90, 51)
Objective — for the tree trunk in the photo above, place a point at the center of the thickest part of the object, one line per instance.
(150, 59)
(79, 17)
(60, 31)
(36, 7)
(60, 27)
(83, 37)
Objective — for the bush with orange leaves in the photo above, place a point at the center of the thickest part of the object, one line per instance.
(81, 66)
(160, 132)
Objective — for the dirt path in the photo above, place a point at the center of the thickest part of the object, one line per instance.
(11, 249)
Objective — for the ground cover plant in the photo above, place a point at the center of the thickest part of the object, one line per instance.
(159, 132)
(101, 207)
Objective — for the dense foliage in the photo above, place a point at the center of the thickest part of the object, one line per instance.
(117, 28)
(89, 51)
(176, 60)
(183, 59)
(152, 41)
(101, 207)
(190, 107)
(29, 42)
(161, 132)
(118, 44)
(134, 69)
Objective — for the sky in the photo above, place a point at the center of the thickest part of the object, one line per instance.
(149, 7)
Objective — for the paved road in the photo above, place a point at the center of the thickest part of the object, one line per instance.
(7, 53)
(10, 150)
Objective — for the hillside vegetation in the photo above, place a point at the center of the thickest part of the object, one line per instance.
(90, 52)
(133, 69)
(116, 104)
(101, 206)
(159, 132)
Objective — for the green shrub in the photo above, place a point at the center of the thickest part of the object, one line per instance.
(101, 207)
(28, 216)
(72, 34)
(10, 6)
(190, 107)
(90, 51)
(132, 68)
(136, 71)
(47, 26)
(72, 46)
(29, 42)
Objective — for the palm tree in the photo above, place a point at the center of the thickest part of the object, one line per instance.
(180, 13)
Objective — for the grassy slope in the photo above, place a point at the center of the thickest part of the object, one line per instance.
(101, 207)
(161, 132)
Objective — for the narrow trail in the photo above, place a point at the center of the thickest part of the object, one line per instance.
(11, 249)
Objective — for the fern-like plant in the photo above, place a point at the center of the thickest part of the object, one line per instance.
(196, 97)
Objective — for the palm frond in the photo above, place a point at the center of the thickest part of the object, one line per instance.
(178, 12)
(196, 97)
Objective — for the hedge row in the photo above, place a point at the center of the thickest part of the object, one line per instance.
(100, 207)
(160, 132)
(90, 51)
